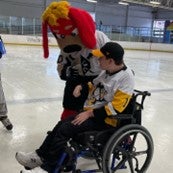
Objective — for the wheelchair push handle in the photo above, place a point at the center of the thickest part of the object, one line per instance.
(143, 94)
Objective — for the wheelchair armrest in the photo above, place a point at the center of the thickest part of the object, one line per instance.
(121, 116)
(124, 118)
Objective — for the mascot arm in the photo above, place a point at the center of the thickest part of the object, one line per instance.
(101, 38)
(62, 67)
(62, 72)
(65, 69)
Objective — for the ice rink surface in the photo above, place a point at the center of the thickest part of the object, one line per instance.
(34, 93)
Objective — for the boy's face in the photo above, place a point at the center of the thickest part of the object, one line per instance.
(104, 63)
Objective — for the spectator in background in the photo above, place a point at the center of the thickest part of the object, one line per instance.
(3, 107)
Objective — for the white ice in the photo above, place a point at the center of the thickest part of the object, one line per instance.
(34, 93)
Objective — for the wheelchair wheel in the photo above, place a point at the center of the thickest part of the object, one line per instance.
(129, 148)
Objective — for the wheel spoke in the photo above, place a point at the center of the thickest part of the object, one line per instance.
(120, 165)
(122, 150)
(131, 165)
(133, 141)
(138, 153)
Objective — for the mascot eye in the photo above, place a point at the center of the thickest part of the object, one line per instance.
(57, 36)
(74, 32)
(62, 36)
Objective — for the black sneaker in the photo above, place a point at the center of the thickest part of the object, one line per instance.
(6, 122)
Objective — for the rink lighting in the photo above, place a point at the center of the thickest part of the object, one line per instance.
(123, 3)
(93, 1)
(155, 2)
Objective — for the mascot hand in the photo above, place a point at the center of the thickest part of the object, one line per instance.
(72, 72)
(68, 73)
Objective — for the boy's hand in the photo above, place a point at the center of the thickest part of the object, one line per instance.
(80, 118)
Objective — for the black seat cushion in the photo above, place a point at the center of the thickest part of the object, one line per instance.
(94, 137)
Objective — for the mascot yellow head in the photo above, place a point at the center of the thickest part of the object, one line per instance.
(68, 22)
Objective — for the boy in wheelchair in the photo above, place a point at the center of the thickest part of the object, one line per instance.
(110, 94)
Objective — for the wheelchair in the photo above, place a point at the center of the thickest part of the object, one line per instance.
(127, 148)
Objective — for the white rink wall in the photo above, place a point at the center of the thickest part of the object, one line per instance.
(147, 46)
(37, 41)
(26, 40)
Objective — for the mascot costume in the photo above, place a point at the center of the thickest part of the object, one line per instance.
(76, 35)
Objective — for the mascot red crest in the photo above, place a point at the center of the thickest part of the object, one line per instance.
(64, 20)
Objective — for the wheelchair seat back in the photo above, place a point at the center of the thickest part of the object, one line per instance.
(133, 113)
